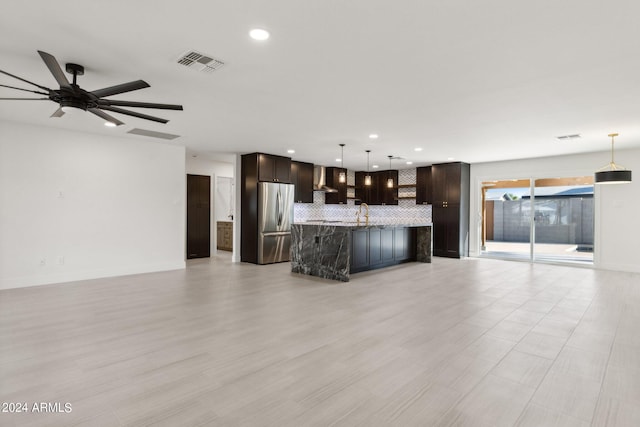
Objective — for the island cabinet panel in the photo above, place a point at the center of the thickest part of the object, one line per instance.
(360, 249)
(450, 211)
(302, 178)
(375, 248)
(386, 244)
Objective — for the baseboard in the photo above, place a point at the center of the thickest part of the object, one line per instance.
(39, 280)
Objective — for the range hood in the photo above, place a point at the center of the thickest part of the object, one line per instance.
(320, 180)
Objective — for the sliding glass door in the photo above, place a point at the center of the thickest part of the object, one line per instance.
(547, 219)
(563, 221)
(507, 218)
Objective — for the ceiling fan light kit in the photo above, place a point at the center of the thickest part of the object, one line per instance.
(70, 97)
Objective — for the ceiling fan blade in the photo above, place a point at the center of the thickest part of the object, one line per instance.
(105, 116)
(122, 88)
(58, 113)
(132, 113)
(109, 102)
(26, 81)
(24, 99)
(54, 67)
(25, 90)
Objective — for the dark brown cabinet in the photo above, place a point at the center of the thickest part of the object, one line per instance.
(450, 209)
(387, 195)
(377, 193)
(333, 181)
(374, 247)
(302, 178)
(273, 168)
(198, 216)
(256, 168)
(424, 189)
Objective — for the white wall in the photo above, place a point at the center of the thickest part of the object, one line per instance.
(76, 206)
(617, 226)
(203, 166)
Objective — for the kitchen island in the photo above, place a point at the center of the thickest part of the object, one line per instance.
(335, 250)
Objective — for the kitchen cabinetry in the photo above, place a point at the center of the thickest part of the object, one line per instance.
(450, 209)
(302, 178)
(378, 247)
(377, 193)
(333, 181)
(224, 235)
(424, 189)
(273, 168)
(257, 169)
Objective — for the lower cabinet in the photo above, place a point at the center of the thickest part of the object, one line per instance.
(373, 248)
(225, 236)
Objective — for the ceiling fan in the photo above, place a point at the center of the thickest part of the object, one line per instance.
(71, 96)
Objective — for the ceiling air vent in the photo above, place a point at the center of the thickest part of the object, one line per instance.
(200, 61)
(153, 134)
(568, 137)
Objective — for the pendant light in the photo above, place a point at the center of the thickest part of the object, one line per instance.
(367, 177)
(612, 173)
(342, 177)
(390, 179)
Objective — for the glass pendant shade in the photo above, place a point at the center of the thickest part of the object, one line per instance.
(367, 178)
(390, 180)
(612, 173)
(342, 176)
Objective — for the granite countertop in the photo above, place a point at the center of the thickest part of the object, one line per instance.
(379, 224)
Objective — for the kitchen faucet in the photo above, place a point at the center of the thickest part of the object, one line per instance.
(366, 214)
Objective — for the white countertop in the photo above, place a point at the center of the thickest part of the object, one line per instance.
(372, 223)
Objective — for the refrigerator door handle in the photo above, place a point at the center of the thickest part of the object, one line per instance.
(279, 207)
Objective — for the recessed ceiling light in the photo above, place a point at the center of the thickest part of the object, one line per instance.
(450, 158)
(259, 34)
(338, 160)
(417, 149)
(373, 136)
(409, 163)
(110, 124)
(375, 166)
(291, 151)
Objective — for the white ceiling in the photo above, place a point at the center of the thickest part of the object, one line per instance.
(473, 80)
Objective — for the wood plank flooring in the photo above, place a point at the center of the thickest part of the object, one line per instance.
(473, 342)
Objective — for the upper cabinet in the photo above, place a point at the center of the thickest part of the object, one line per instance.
(447, 181)
(424, 189)
(274, 168)
(333, 181)
(387, 195)
(377, 193)
(302, 178)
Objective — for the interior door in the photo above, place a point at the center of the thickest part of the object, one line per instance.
(198, 216)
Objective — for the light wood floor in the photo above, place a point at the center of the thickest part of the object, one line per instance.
(476, 342)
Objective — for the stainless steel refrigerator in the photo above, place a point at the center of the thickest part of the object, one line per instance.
(275, 215)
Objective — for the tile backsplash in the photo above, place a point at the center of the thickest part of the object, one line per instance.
(406, 210)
